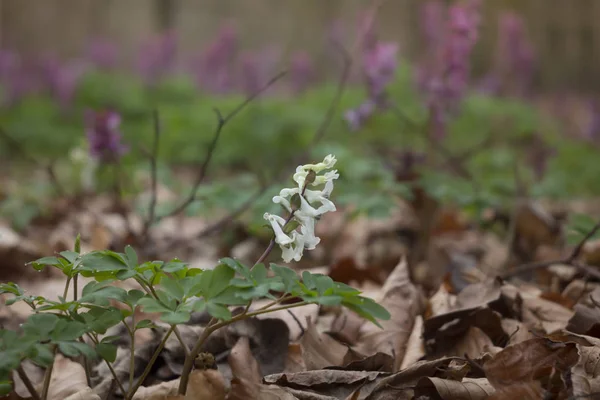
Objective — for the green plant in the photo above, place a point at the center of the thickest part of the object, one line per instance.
(74, 326)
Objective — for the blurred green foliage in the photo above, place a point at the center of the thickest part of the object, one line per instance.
(259, 143)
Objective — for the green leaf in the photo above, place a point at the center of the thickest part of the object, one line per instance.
(107, 351)
(126, 274)
(145, 323)
(74, 349)
(229, 296)
(132, 298)
(11, 288)
(41, 263)
(40, 325)
(100, 294)
(199, 305)
(70, 256)
(110, 339)
(213, 282)
(323, 283)
(100, 320)
(288, 276)
(132, 258)
(309, 280)
(42, 355)
(151, 305)
(218, 311)
(173, 288)
(331, 300)
(175, 318)
(103, 261)
(259, 273)
(291, 226)
(174, 266)
(5, 388)
(236, 266)
(67, 330)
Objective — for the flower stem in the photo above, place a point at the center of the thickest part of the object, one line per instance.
(149, 365)
(94, 339)
(48, 374)
(210, 328)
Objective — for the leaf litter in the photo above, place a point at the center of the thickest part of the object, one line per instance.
(478, 332)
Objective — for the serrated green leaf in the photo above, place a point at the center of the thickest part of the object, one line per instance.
(213, 282)
(151, 305)
(74, 349)
(107, 351)
(175, 317)
(67, 330)
(237, 266)
(218, 311)
(145, 323)
(40, 325)
(173, 288)
(126, 274)
(132, 258)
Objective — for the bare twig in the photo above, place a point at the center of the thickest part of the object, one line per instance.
(34, 394)
(571, 260)
(221, 122)
(153, 174)
(49, 168)
(512, 224)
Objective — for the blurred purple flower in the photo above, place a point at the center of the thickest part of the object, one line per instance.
(251, 79)
(444, 77)
(379, 64)
(515, 51)
(157, 58)
(357, 117)
(61, 80)
(432, 18)
(104, 136)
(592, 131)
(215, 70)
(102, 53)
(8, 63)
(302, 72)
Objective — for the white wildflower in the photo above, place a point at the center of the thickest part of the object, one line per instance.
(313, 204)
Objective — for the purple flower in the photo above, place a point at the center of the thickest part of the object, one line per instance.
(104, 136)
(215, 70)
(379, 63)
(515, 52)
(432, 22)
(102, 53)
(251, 79)
(444, 77)
(157, 58)
(61, 80)
(302, 72)
(592, 131)
(357, 117)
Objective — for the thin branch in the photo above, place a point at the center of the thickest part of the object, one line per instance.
(132, 391)
(153, 174)
(210, 328)
(512, 224)
(49, 168)
(569, 260)
(221, 122)
(27, 383)
(95, 340)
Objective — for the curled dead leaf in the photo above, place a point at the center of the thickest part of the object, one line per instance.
(445, 389)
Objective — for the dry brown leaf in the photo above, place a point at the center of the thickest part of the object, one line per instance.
(474, 343)
(517, 331)
(404, 302)
(320, 350)
(85, 394)
(399, 386)
(415, 347)
(68, 377)
(468, 389)
(529, 361)
(294, 361)
(246, 372)
(346, 325)
(327, 383)
(203, 385)
(441, 302)
(531, 390)
(158, 392)
(298, 324)
(540, 314)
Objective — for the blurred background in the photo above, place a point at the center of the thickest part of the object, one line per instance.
(441, 95)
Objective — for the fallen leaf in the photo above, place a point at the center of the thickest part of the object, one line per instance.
(68, 378)
(247, 377)
(320, 350)
(415, 347)
(468, 389)
(529, 361)
(531, 390)
(85, 394)
(404, 302)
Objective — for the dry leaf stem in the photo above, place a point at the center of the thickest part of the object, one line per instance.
(27, 383)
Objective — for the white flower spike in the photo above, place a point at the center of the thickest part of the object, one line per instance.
(313, 204)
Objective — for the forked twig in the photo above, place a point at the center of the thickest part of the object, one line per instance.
(221, 122)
